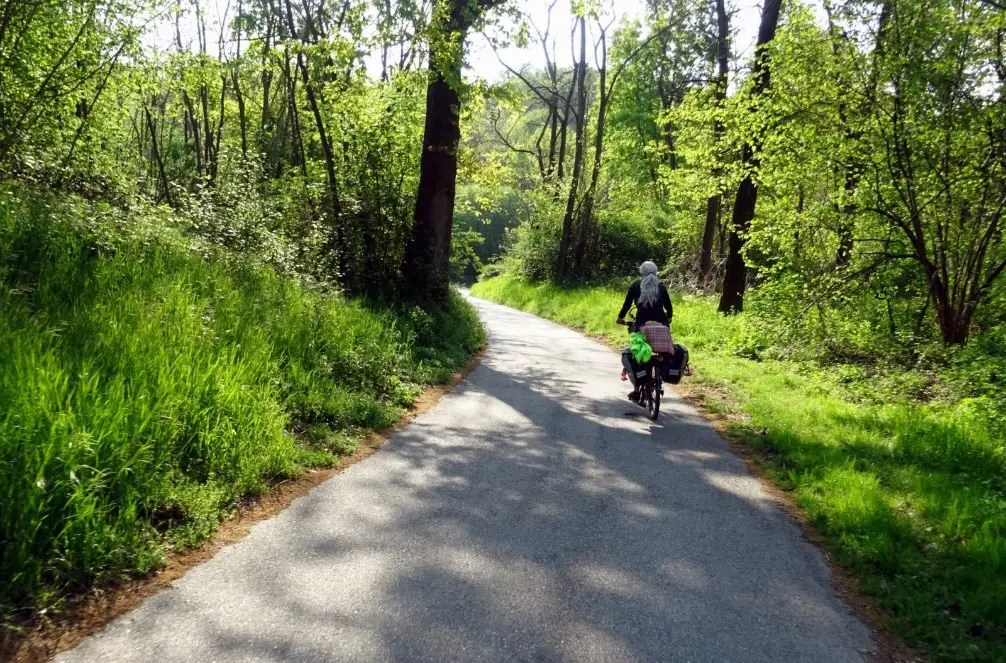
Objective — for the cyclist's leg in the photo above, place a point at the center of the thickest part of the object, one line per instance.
(630, 366)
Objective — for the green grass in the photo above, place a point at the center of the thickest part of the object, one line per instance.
(909, 496)
(146, 387)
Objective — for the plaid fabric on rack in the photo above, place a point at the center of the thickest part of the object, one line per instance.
(659, 337)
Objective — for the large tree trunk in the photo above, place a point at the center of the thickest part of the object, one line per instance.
(735, 278)
(427, 257)
(426, 270)
(715, 203)
(954, 314)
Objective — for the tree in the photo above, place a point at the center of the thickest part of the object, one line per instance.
(938, 173)
(605, 92)
(547, 88)
(715, 203)
(55, 63)
(735, 277)
(427, 257)
(580, 133)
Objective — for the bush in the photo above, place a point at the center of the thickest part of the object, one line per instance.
(145, 386)
(620, 243)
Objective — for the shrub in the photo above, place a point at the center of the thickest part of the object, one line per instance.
(619, 245)
(147, 381)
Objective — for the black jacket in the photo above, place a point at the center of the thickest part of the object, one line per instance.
(661, 311)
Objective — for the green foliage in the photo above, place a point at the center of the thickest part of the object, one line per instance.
(488, 210)
(877, 230)
(465, 261)
(55, 62)
(534, 248)
(622, 241)
(149, 380)
(910, 496)
(285, 130)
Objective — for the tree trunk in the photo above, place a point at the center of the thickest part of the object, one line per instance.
(242, 114)
(208, 135)
(553, 138)
(197, 143)
(427, 259)
(265, 120)
(157, 156)
(220, 127)
(844, 254)
(297, 140)
(587, 206)
(735, 278)
(715, 202)
(713, 211)
(209, 160)
(323, 138)
(574, 183)
(953, 316)
(563, 134)
(426, 270)
(845, 225)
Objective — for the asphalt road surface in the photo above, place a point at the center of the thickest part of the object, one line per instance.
(533, 515)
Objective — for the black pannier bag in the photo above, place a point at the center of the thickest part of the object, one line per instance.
(675, 365)
(641, 371)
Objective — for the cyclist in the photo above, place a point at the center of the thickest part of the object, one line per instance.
(653, 304)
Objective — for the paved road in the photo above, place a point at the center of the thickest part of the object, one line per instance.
(533, 515)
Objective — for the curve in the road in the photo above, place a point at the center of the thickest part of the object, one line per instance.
(533, 515)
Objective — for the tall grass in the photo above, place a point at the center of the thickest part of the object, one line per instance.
(144, 387)
(910, 496)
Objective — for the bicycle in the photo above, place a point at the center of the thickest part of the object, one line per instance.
(651, 385)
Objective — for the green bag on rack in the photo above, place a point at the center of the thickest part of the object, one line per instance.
(640, 349)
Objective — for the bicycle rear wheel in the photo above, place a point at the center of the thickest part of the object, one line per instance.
(653, 399)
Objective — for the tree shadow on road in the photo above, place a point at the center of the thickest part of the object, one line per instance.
(532, 516)
(563, 530)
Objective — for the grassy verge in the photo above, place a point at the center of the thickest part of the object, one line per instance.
(909, 496)
(147, 383)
